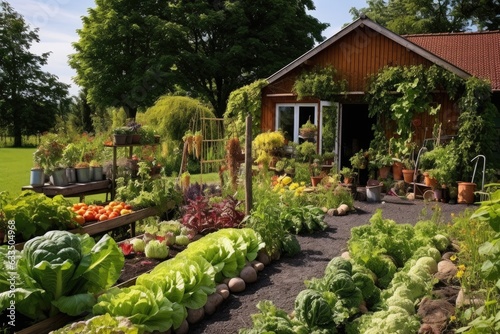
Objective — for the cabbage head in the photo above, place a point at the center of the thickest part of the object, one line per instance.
(312, 309)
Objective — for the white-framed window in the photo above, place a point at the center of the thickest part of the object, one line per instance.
(291, 116)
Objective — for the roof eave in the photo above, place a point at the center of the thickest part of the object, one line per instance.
(378, 28)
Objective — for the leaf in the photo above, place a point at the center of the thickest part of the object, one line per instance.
(76, 304)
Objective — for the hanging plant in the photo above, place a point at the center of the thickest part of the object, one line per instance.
(188, 138)
(197, 140)
(233, 153)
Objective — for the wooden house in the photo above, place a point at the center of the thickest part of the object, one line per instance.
(360, 50)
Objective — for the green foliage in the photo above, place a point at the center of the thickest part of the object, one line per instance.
(147, 307)
(172, 116)
(312, 309)
(417, 17)
(306, 151)
(322, 83)
(243, 102)
(303, 219)
(61, 272)
(30, 98)
(36, 214)
(187, 53)
(477, 133)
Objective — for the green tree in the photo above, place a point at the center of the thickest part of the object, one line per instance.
(124, 55)
(418, 16)
(130, 53)
(30, 99)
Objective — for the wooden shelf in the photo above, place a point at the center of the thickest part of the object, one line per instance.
(110, 224)
(74, 190)
(96, 227)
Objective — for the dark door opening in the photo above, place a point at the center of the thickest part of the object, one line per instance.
(357, 134)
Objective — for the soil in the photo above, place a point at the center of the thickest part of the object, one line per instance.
(283, 279)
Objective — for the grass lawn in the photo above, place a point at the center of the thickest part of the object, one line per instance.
(15, 165)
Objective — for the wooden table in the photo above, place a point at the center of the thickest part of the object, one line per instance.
(75, 189)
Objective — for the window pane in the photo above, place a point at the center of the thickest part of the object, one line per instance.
(285, 121)
(306, 113)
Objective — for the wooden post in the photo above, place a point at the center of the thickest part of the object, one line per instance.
(248, 165)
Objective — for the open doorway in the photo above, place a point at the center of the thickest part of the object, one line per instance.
(356, 134)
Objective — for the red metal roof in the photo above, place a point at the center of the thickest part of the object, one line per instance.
(477, 53)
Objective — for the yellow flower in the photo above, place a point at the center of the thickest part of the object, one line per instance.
(459, 274)
(453, 258)
(287, 180)
(453, 318)
(293, 186)
(461, 267)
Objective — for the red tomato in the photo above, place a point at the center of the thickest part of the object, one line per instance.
(113, 215)
(89, 216)
(103, 217)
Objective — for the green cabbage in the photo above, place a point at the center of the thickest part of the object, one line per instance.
(147, 308)
(138, 244)
(61, 272)
(156, 249)
(312, 309)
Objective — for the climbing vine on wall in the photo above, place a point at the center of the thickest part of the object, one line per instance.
(397, 94)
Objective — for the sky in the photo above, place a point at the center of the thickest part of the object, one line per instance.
(58, 20)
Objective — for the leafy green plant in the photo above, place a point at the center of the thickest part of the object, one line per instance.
(303, 219)
(61, 272)
(306, 151)
(36, 214)
(147, 307)
(104, 324)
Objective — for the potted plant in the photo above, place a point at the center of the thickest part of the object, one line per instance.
(70, 157)
(120, 135)
(316, 172)
(359, 160)
(96, 170)
(382, 162)
(306, 151)
(348, 174)
(83, 172)
(408, 170)
(48, 157)
(308, 130)
(280, 166)
(290, 166)
(328, 158)
(134, 131)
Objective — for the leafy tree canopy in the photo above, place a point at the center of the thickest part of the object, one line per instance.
(30, 98)
(431, 16)
(130, 53)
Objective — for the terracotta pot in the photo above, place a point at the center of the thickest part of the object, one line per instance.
(383, 172)
(408, 175)
(397, 171)
(348, 180)
(466, 192)
(315, 180)
(430, 181)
